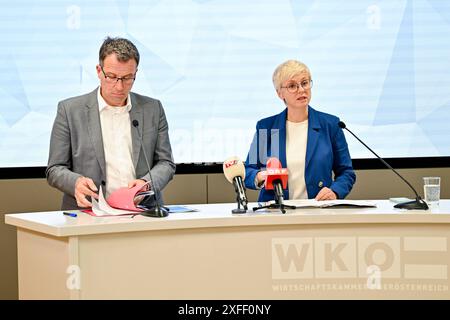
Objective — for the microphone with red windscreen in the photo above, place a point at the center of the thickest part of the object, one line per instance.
(276, 179)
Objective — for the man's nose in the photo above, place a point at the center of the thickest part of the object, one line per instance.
(119, 84)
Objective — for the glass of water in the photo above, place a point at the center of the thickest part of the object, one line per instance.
(432, 190)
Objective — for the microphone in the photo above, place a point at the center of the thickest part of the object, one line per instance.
(157, 211)
(234, 171)
(276, 179)
(419, 203)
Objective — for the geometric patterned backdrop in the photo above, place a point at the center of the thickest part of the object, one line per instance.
(381, 66)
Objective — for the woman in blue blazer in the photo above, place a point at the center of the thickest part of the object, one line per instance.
(309, 143)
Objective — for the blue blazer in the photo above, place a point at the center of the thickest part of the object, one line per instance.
(326, 152)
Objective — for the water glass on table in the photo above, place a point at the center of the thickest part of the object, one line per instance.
(432, 190)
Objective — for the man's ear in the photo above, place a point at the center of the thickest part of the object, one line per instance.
(99, 71)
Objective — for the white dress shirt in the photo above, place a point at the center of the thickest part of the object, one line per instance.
(117, 144)
(296, 139)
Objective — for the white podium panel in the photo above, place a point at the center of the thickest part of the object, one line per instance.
(335, 253)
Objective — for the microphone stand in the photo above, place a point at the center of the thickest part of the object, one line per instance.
(239, 209)
(156, 211)
(240, 196)
(278, 189)
(419, 203)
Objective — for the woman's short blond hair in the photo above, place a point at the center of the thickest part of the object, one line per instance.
(287, 70)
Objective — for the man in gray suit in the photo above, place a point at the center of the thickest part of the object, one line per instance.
(96, 137)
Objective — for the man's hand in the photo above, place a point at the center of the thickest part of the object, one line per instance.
(326, 194)
(138, 182)
(85, 187)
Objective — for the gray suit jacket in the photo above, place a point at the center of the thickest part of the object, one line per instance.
(76, 145)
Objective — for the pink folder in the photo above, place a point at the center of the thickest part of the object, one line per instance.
(123, 198)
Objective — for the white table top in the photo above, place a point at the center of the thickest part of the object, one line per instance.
(219, 215)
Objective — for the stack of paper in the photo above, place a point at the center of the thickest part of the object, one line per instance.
(304, 203)
(103, 207)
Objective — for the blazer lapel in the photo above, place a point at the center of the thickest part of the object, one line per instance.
(313, 135)
(94, 129)
(280, 137)
(136, 133)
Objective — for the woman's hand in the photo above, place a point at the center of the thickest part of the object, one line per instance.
(261, 177)
(326, 194)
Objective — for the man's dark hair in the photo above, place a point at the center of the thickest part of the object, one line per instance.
(123, 48)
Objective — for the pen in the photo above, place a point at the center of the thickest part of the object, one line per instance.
(74, 215)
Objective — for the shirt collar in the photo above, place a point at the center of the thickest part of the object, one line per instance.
(103, 105)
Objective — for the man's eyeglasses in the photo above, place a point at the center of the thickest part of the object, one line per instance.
(293, 87)
(113, 79)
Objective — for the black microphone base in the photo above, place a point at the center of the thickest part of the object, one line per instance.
(282, 207)
(417, 204)
(240, 202)
(156, 212)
